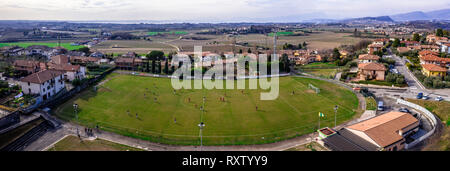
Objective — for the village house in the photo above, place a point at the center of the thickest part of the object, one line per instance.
(429, 57)
(124, 63)
(370, 71)
(381, 41)
(344, 54)
(410, 43)
(82, 60)
(433, 70)
(367, 58)
(28, 66)
(45, 83)
(96, 55)
(433, 38)
(12, 51)
(71, 72)
(387, 131)
(374, 48)
(433, 48)
(445, 48)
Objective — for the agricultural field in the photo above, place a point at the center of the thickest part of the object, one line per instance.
(73, 143)
(149, 108)
(167, 32)
(67, 45)
(125, 46)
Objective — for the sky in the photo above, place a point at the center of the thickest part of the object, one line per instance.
(208, 10)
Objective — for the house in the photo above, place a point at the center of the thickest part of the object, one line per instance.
(28, 66)
(12, 51)
(427, 52)
(433, 48)
(82, 60)
(403, 49)
(433, 38)
(445, 48)
(60, 59)
(44, 83)
(369, 71)
(433, 70)
(410, 43)
(374, 48)
(344, 54)
(42, 50)
(130, 55)
(366, 58)
(124, 63)
(71, 72)
(387, 132)
(97, 55)
(381, 42)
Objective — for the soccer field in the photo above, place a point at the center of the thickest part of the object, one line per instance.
(233, 122)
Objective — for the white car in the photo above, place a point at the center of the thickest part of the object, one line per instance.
(439, 98)
(425, 97)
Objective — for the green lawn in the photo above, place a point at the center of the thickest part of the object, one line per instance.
(371, 103)
(235, 121)
(441, 110)
(73, 143)
(320, 65)
(68, 46)
(324, 73)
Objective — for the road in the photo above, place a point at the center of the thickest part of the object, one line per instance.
(414, 85)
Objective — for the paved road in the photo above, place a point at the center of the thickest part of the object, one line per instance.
(415, 86)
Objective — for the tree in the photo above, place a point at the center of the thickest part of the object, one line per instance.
(336, 54)
(86, 50)
(249, 51)
(304, 45)
(416, 37)
(439, 32)
(396, 42)
(155, 55)
(300, 46)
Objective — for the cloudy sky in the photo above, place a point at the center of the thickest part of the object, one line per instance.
(207, 10)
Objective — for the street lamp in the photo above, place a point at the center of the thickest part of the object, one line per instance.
(335, 114)
(75, 108)
(201, 125)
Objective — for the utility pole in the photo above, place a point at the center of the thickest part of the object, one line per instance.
(335, 115)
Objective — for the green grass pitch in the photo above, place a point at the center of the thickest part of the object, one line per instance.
(233, 122)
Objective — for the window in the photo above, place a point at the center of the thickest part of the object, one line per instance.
(28, 83)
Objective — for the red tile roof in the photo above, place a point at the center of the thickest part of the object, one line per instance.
(384, 129)
(368, 57)
(42, 76)
(372, 66)
(434, 68)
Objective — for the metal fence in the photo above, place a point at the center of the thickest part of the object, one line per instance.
(427, 114)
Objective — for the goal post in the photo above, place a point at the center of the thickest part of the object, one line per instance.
(314, 88)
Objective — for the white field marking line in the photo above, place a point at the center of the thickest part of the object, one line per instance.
(53, 144)
(345, 107)
(246, 135)
(326, 99)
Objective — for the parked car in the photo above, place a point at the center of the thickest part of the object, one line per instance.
(404, 110)
(439, 98)
(419, 96)
(425, 97)
(380, 106)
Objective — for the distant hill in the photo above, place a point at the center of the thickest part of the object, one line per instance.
(419, 15)
(369, 20)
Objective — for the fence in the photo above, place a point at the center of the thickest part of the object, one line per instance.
(64, 95)
(427, 114)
